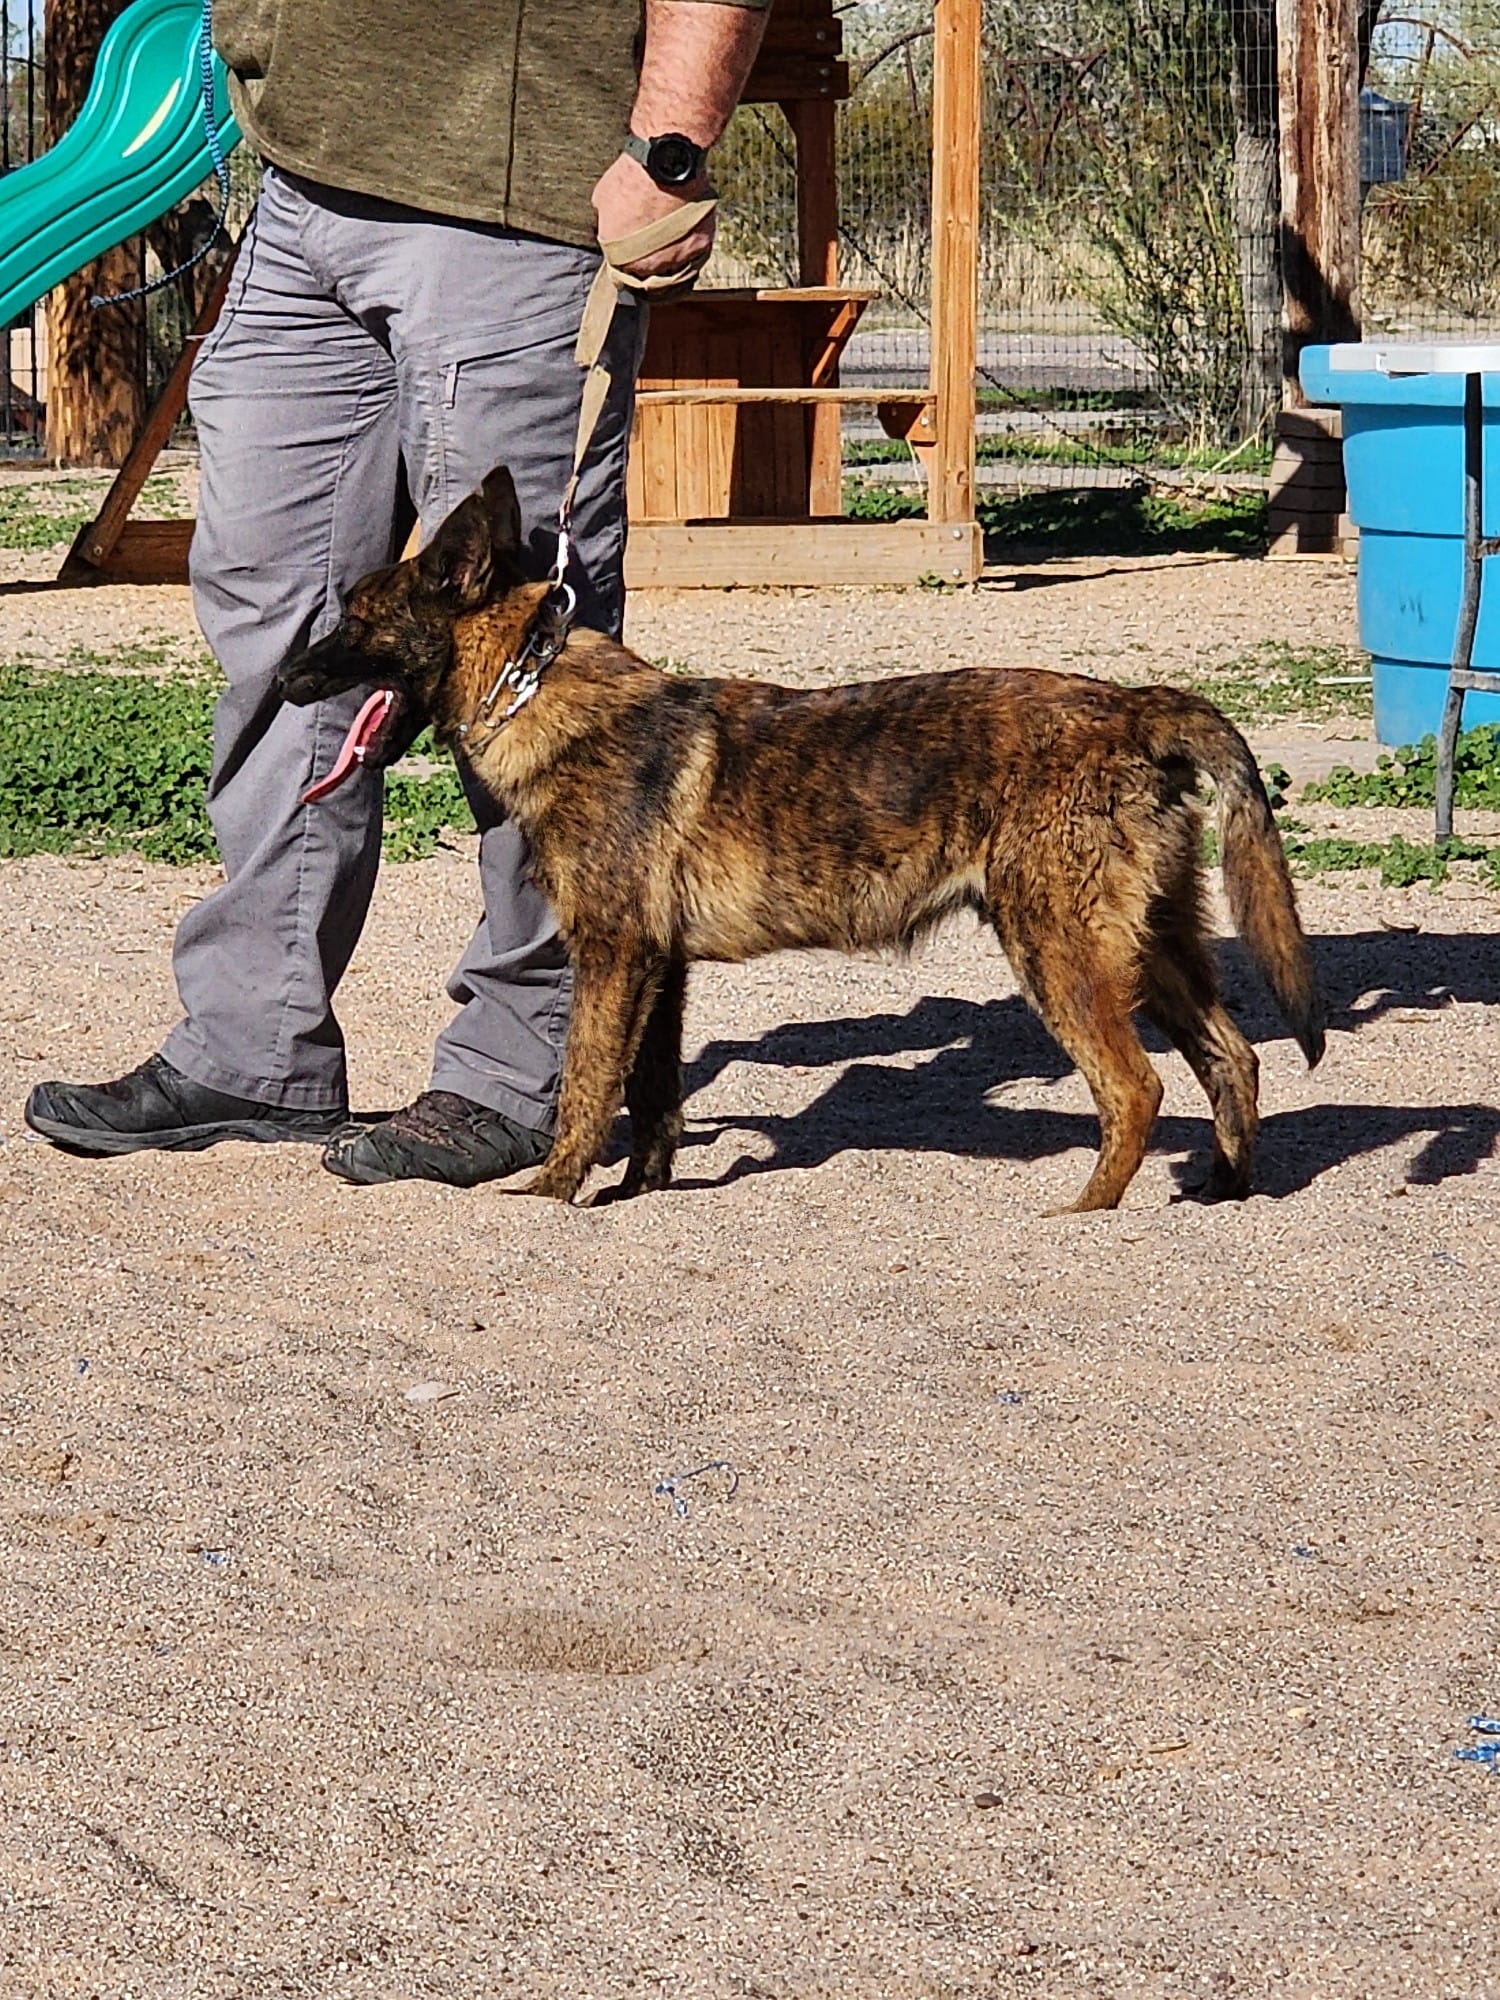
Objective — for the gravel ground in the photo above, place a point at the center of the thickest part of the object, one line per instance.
(1095, 1605)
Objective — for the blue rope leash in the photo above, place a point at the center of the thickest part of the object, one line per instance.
(220, 166)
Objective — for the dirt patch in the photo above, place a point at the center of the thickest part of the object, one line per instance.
(1097, 1611)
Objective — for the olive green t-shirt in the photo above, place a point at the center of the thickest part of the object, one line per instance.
(500, 111)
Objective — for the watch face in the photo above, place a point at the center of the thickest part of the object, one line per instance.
(673, 160)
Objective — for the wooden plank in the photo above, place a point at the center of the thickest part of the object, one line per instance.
(687, 394)
(753, 485)
(784, 425)
(714, 432)
(720, 555)
(656, 447)
(789, 456)
(1318, 82)
(667, 555)
(813, 128)
(144, 552)
(656, 430)
(955, 254)
(635, 480)
(729, 297)
(818, 35)
(690, 431)
(795, 295)
(780, 78)
(825, 461)
(823, 371)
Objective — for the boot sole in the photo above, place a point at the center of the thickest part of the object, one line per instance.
(179, 1139)
(375, 1173)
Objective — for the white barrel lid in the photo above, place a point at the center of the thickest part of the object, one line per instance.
(1401, 357)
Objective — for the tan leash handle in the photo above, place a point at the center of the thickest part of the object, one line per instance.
(599, 312)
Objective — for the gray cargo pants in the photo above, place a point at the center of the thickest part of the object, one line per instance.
(360, 339)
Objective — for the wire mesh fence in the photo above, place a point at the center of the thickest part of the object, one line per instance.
(22, 410)
(1129, 286)
(1431, 166)
(1129, 281)
(1129, 303)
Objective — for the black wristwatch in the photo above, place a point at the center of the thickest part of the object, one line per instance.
(671, 160)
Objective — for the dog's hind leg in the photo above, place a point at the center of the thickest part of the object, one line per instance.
(1180, 994)
(1086, 999)
(653, 1090)
(614, 991)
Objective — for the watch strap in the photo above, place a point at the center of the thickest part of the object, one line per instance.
(638, 149)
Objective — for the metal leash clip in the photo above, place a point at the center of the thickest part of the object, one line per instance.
(546, 639)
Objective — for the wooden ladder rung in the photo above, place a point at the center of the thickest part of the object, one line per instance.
(729, 395)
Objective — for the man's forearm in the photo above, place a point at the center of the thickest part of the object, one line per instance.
(697, 57)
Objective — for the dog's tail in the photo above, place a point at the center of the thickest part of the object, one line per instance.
(1261, 897)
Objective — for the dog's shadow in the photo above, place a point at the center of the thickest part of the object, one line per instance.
(974, 1050)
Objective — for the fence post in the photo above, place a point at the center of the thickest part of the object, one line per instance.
(955, 255)
(814, 130)
(1318, 83)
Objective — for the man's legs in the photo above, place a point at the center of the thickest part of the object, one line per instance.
(295, 405)
(356, 331)
(483, 332)
(518, 406)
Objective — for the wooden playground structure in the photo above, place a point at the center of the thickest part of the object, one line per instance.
(736, 463)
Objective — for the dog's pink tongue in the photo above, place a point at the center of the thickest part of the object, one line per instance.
(363, 731)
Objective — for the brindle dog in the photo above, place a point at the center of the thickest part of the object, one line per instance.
(675, 819)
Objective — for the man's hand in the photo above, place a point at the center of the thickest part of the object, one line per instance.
(627, 199)
(696, 58)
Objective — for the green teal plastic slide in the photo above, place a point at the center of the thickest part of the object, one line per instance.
(138, 146)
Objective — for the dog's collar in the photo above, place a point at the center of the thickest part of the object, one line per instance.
(521, 677)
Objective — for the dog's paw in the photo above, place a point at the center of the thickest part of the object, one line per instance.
(1224, 1183)
(625, 1190)
(636, 1180)
(549, 1186)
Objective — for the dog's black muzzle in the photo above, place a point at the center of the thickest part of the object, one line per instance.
(382, 734)
(333, 666)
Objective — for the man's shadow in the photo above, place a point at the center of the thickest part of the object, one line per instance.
(974, 1050)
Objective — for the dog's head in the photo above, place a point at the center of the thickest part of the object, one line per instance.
(396, 632)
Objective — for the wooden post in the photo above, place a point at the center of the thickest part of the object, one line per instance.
(1318, 85)
(812, 123)
(955, 256)
(96, 398)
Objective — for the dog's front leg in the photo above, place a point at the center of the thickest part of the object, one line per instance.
(653, 1090)
(613, 992)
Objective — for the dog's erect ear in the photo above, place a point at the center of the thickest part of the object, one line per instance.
(460, 558)
(504, 509)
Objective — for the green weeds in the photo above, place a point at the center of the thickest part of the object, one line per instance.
(47, 514)
(1408, 776)
(1098, 521)
(1273, 680)
(101, 763)
(1401, 862)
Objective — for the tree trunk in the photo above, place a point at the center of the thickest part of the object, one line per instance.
(1318, 79)
(96, 399)
(1257, 199)
(1257, 212)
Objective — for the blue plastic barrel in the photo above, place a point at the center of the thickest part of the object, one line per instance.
(1404, 465)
